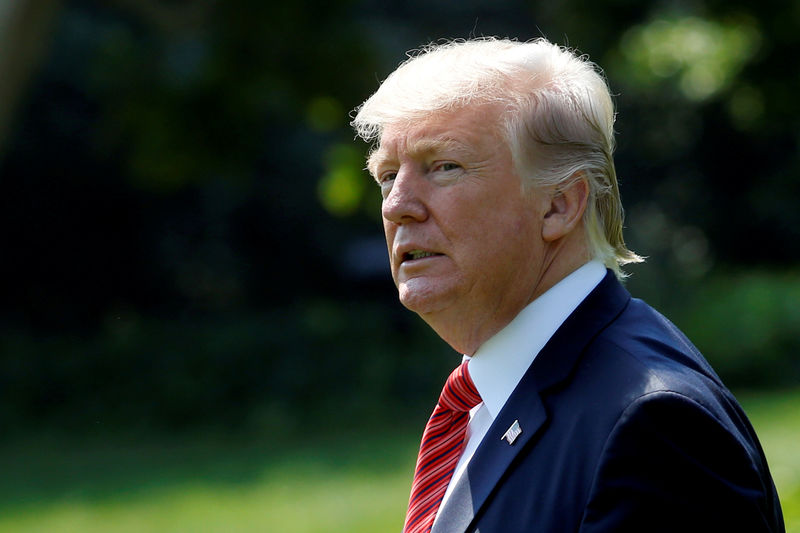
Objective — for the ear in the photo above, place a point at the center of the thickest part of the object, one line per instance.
(566, 208)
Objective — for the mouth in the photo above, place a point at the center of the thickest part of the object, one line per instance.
(413, 255)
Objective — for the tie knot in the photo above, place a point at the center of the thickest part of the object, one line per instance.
(459, 393)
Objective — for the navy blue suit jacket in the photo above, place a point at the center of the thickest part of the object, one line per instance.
(625, 427)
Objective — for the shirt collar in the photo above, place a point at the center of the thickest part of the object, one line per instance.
(499, 364)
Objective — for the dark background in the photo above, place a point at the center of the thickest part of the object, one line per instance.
(189, 238)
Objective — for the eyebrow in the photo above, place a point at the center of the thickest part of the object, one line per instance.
(375, 159)
(417, 148)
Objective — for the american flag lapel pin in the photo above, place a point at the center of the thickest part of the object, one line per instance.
(512, 433)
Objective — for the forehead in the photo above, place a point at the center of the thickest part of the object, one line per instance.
(466, 130)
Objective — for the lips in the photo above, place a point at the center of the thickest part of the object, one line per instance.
(413, 255)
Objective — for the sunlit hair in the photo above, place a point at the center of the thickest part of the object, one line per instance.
(559, 119)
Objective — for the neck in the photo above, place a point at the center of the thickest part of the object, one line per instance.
(466, 331)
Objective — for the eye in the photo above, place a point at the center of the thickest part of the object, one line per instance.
(385, 181)
(386, 176)
(446, 166)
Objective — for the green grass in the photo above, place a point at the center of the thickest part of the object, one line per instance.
(776, 417)
(205, 484)
(355, 483)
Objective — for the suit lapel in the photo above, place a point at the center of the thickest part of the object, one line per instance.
(490, 462)
(552, 366)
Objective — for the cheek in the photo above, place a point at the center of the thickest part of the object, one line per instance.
(389, 233)
(510, 239)
(526, 229)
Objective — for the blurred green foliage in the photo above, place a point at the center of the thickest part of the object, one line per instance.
(702, 56)
(342, 187)
(313, 362)
(190, 237)
(747, 326)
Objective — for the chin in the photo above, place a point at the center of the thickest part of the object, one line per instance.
(424, 299)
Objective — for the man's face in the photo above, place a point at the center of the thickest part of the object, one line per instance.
(462, 235)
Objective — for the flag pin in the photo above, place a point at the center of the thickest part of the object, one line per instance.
(512, 433)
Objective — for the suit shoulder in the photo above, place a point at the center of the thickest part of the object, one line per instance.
(641, 353)
(646, 342)
(670, 452)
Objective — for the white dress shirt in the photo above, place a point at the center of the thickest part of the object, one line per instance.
(499, 364)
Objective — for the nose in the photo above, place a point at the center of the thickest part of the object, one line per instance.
(405, 201)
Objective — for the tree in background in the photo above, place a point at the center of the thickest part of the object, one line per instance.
(190, 236)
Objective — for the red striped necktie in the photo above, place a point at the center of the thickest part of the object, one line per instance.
(442, 443)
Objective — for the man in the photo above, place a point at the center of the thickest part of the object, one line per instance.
(578, 408)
